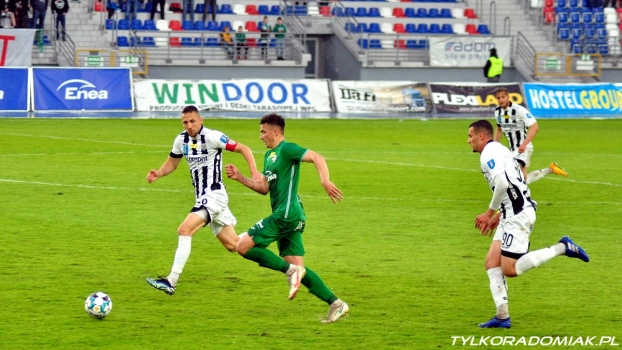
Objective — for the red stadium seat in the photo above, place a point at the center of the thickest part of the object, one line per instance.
(399, 28)
(469, 13)
(175, 42)
(251, 26)
(251, 42)
(471, 29)
(175, 25)
(399, 12)
(325, 11)
(99, 6)
(549, 3)
(549, 17)
(251, 10)
(399, 44)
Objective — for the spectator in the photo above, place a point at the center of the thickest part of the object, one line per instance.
(5, 13)
(609, 3)
(20, 10)
(130, 10)
(40, 8)
(264, 41)
(60, 7)
(112, 7)
(188, 10)
(493, 68)
(214, 8)
(226, 40)
(240, 39)
(280, 29)
(154, 3)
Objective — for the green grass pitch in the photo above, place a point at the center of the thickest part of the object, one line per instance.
(401, 249)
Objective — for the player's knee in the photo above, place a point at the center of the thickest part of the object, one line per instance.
(509, 271)
(184, 230)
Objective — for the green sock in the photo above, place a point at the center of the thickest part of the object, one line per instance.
(317, 287)
(266, 258)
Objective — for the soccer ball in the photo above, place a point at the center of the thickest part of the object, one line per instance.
(98, 305)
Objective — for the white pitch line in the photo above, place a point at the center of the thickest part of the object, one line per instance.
(85, 140)
(72, 153)
(584, 181)
(400, 163)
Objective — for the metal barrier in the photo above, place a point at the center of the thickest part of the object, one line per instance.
(557, 64)
(135, 58)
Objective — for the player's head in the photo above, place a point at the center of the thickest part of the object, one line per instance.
(503, 98)
(272, 129)
(480, 132)
(192, 120)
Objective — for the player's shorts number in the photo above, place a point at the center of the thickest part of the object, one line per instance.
(507, 240)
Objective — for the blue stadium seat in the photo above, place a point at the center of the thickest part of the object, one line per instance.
(435, 28)
(575, 17)
(199, 25)
(224, 24)
(136, 24)
(446, 13)
(289, 10)
(603, 49)
(338, 12)
(146, 7)
(562, 17)
(273, 42)
(275, 10)
(363, 43)
(422, 28)
(301, 11)
(410, 13)
(590, 33)
(350, 12)
(122, 41)
(423, 44)
(213, 26)
(186, 42)
(561, 3)
(148, 41)
(361, 12)
(226, 9)
(483, 29)
(135, 41)
(149, 25)
(591, 49)
(123, 24)
(573, 3)
(574, 42)
(599, 17)
(421, 12)
(564, 34)
(411, 28)
(601, 33)
(111, 24)
(373, 12)
(197, 42)
(412, 44)
(561, 26)
(200, 8)
(187, 25)
(362, 28)
(212, 42)
(263, 10)
(447, 29)
(576, 33)
(433, 12)
(374, 28)
(375, 44)
(577, 49)
(559, 10)
(587, 17)
(350, 27)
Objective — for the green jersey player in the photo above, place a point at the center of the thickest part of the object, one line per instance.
(286, 224)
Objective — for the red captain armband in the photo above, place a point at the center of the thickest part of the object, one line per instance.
(231, 145)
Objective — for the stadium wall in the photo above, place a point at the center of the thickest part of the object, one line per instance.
(225, 72)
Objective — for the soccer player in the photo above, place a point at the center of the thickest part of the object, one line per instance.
(202, 148)
(287, 222)
(520, 128)
(509, 254)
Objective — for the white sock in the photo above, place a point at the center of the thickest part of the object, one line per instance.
(538, 257)
(538, 174)
(181, 256)
(499, 291)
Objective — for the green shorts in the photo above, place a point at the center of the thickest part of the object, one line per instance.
(286, 233)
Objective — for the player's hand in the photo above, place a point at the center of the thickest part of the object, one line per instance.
(333, 192)
(491, 225)
(481, 222)
(232, 172)
(521, 148)
(152, 175)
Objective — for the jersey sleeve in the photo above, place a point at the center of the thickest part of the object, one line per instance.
(177, 152)
(222, 141)
(528, 118)
(293, 151)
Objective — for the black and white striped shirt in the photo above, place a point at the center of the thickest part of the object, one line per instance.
(204, 156)
(515, 122)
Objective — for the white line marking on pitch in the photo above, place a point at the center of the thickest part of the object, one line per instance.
(85, 140)
(72, 153)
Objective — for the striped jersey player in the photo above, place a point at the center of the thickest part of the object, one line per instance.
(509, 255)
(520, 127)
(203, 149)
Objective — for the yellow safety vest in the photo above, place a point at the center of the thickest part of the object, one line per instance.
(496, 67)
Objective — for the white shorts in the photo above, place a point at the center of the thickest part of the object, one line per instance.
(514, 233)
(216, 203)
(524, 159)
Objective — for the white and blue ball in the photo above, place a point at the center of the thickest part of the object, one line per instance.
(98, 305)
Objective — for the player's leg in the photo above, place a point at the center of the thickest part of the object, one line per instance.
(253, 245)
(193, 222)
(222, 221)
(498, 285)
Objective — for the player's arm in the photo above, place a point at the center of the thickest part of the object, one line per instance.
(250, 160)
(322, 168)
(168, 167)
(498, 133)
(260, 185)
(531, 133)
(487, 220)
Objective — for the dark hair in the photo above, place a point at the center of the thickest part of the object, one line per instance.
(279, 19)
(482, 125)
(190, 109)
(501, 89)
(274, 120)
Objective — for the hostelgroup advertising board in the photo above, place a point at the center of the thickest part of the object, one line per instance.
(14, 92)
(559, 100)
(381, 96)
(260, 95)
(90, 89)
(470, 98)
